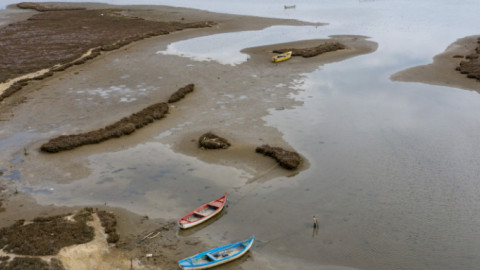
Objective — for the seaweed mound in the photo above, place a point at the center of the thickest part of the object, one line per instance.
(46, 236)
(45, 7)
(287, 159)
(21, 263)
(471, 66)
(212, 141)
(181, 93)
(125, 126)
(314, 51)
(109, 222)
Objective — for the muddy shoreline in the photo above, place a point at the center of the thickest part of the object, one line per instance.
(443, 71)
(61, 107)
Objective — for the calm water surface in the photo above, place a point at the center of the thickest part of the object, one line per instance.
(394, 176)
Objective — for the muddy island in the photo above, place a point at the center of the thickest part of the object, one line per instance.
(89, 93)
(455, 67)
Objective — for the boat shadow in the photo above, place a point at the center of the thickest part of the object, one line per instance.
(190, 231)
(236, 264)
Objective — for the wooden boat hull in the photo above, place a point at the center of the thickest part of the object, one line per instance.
(217, 256)
(202, 213)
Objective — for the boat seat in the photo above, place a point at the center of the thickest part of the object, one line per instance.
(197, 213)
(216, 204)
(211, 257)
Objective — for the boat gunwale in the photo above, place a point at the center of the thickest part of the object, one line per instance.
(185, 224)
(246, 243)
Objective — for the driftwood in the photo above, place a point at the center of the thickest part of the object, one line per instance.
(287, 159)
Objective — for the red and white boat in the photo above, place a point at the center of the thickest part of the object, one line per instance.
(202, 213)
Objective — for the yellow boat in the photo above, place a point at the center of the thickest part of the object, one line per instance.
(282, 57)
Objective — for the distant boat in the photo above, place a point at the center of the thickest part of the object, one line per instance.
(202, 213)
(217, 256)
(288, 7)
(282, 57)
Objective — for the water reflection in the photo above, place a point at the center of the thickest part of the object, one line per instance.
(225, 48)
(148, 179)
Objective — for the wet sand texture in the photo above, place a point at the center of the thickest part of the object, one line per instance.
(120, 128)
(212, 141)
(287, 159)
(46, 236)
(313, 51)
(58, 38)
(471, 66)
(181, 93)
(165, 246)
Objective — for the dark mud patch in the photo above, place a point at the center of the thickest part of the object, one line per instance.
(109, 223)
(181, 93)
(26, 263)
(287, 159)
(46, 235)
(57, 39)
(471, 66)
(313, 51)
(212, 141)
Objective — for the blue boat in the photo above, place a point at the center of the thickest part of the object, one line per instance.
(217, 256)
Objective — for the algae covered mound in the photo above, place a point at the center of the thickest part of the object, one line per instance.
(44, 7)
(471, 66)
(313, 51)
(26, 263)
(46, 236)
(212, 141)
(118, 129)
(125, 126)
(109, 223)
(181, 93)
(287, 159)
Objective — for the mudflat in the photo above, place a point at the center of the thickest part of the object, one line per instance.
(125, 76)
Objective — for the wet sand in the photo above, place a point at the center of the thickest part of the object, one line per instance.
(443, 69)
(228, 100)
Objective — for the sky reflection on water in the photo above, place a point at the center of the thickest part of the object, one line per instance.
(139, 178)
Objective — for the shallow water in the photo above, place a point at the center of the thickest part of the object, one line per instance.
(394, 168)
